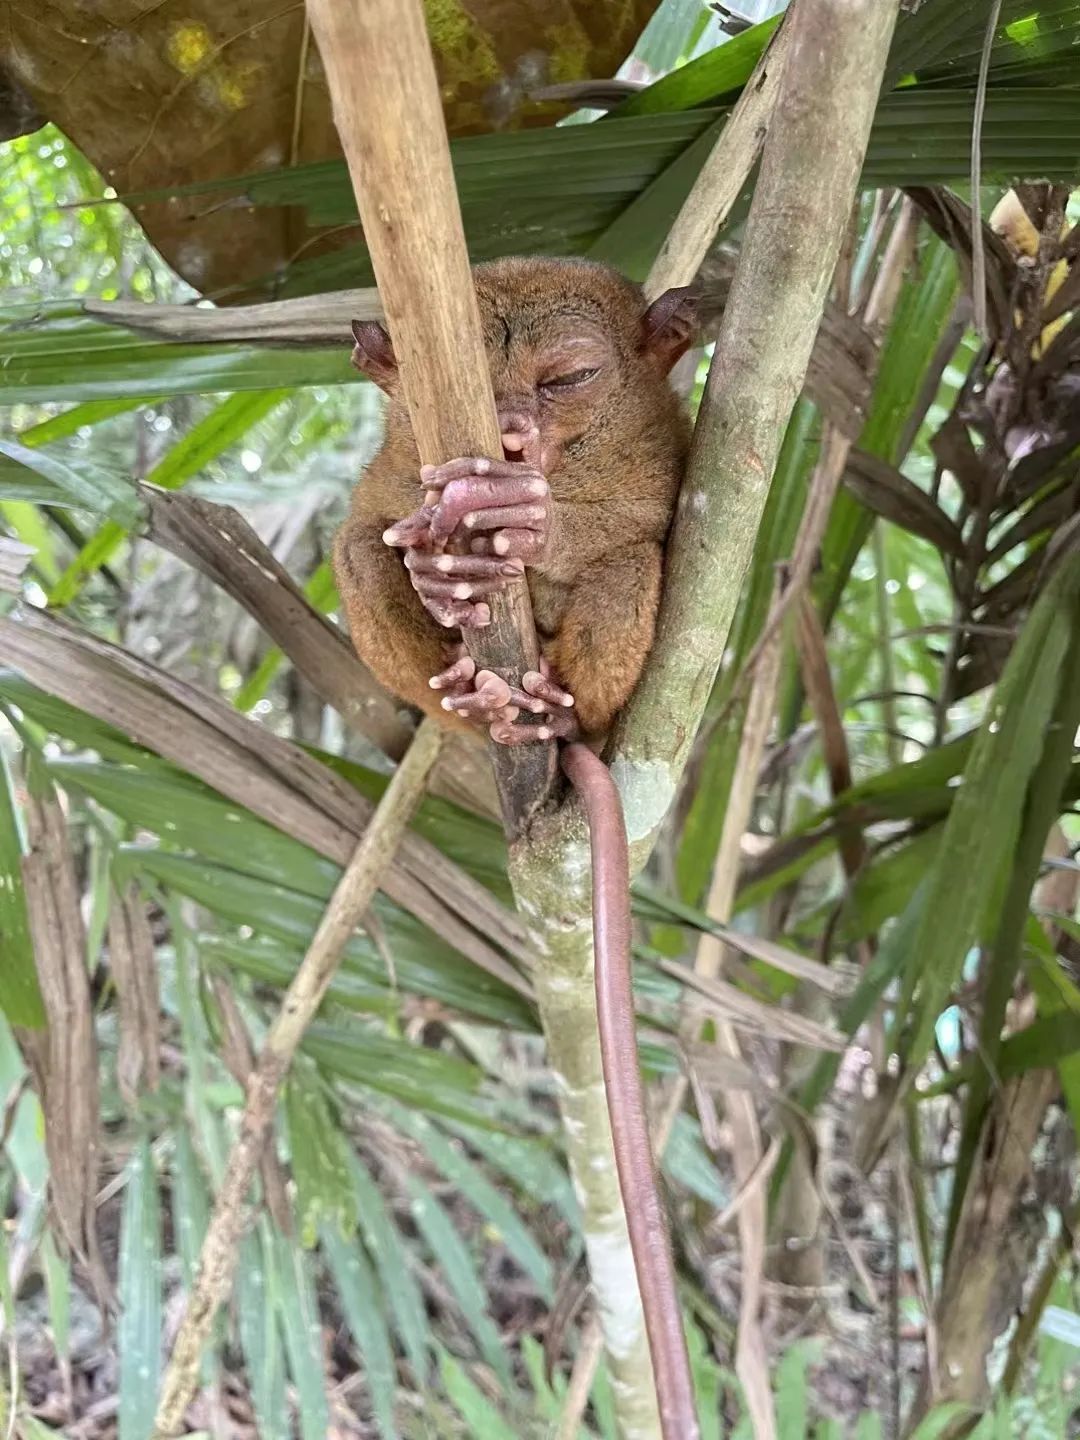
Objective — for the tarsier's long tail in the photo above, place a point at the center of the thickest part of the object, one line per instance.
(649, 1241)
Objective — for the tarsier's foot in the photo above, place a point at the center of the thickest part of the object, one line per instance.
(540, 695)
(479, 696)
(484, 698)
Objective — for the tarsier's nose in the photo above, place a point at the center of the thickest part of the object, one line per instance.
(520, 435)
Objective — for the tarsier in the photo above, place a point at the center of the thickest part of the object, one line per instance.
(579, 505)
(594, 446)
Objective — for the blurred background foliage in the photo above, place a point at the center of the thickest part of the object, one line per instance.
(903, 965)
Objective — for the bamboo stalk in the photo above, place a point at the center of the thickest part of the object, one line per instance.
(385, 96)
(810, 167)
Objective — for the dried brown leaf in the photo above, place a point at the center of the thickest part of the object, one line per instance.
(134, 973)
(1044, 517)
(306, 320)
(743, 1011)
(889, 493)
(248, 764)
(839, 379)
(222, 545)
(951, 219)
(63, 1059)
(844, 358)
(954, 451)
(832, 979)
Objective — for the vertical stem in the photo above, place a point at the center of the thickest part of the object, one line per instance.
(551, 879)
(388, 115)
(888, 674)
(895, 1412)
(725, 172)
(978, 245)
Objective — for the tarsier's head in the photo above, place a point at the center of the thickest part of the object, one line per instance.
(565, 340)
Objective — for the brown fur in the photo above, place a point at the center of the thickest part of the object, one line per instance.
(618, 455)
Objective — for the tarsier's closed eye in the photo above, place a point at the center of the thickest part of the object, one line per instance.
(572, 378)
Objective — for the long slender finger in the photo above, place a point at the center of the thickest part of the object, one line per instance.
(519, 517)
(458, 613)
(459, 673)
(505, 732)
(435, 587)
(553, 727)
(437, 477)
(536, 704)
(536, 683)
(524, 545)
(472, 707)
(529, 703)
(462, 567)
(517, 500)
(414, 529)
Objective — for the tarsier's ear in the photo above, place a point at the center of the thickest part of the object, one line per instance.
(667, 327)
(373, 354)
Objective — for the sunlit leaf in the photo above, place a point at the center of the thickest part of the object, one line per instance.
(318, 1152)
(27, 474)
(211, 435)
(20, 998)
(1061, 1324)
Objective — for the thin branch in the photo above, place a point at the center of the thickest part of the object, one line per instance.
(978, 243)
(824, 483)
(817, 682)
(351, 897)
(298, 101)
(590, 1348)
(722, 177)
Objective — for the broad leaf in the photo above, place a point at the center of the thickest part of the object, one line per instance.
(974, 856)
(20, 998)
(27, 474)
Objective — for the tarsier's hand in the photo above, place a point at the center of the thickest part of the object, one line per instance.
(497, 511)
(485, 698)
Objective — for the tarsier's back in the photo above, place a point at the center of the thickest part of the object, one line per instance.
(594, 445)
